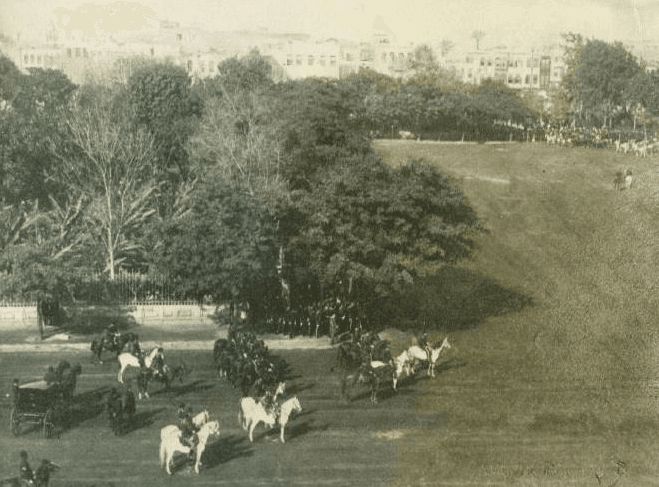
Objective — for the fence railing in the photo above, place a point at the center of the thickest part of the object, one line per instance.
(126, 289)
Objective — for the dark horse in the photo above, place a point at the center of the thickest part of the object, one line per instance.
(121, 410)
(355, 370)
(165, 375)
(116, 345)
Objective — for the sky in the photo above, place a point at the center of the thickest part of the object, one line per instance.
(504, 22)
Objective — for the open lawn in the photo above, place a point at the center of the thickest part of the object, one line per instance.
(549, 392)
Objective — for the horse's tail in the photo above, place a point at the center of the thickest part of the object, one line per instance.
(241, 419)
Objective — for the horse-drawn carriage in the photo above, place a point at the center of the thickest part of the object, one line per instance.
(43, 404)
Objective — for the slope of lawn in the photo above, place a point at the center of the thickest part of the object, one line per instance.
(586, 255)
(585, 350)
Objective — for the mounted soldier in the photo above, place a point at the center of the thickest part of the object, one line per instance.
(188, 429)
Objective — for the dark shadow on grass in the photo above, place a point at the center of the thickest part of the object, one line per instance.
(226, 449)
(84, 406)
(180, 390)
(142, 420)
(452, 300)
(449, 365)
(295, 429)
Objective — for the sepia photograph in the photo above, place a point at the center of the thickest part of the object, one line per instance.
(329, 243)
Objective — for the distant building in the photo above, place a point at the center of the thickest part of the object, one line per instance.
(293, 56)
(539, 69)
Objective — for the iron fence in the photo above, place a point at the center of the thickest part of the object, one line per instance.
(127, 288)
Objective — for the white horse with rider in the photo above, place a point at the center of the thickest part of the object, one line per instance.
(127, 360)
(252, 413)
(170, 444)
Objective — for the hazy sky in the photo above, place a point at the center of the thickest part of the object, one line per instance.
(503, 21)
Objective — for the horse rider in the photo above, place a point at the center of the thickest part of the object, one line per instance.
(112, 335)
(269, 403)
(26, 475)
(158, 363)
(187, 427)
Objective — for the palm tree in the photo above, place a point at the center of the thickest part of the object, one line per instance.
(477, 35)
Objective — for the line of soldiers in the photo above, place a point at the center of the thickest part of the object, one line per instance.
(330, 317)
(246, 361)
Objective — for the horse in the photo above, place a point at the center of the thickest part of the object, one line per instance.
(129, 360)
(362, 375)
(201, 419)
(170, 444)
(349, 355)
(121, 409)
(429, 354)
(252, 413)
(115, 345)
(288, 407)
(402, 367)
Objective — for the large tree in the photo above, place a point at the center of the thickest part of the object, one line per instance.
(166, 107)
(220, 243)
(237, 135)
(597, 76)
(30, 125)
(381, 228)
(111, 165)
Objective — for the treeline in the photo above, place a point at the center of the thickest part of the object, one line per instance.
(235, 188)
(432, 108)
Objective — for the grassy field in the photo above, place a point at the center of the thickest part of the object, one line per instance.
(551, 393)
(586, 348)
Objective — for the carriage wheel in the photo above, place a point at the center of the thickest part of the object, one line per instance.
(15, 422)
(48, 423)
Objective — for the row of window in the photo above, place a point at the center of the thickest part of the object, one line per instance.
(290, 60)
(365, 56)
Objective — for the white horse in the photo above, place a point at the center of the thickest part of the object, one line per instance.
(129, 360)
(170, 444)
(289, 406)
(252, 413)
(201, 419)
(402, 367)
(430, 354)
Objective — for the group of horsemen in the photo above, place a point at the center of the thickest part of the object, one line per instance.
(114, 337)
(184, 414)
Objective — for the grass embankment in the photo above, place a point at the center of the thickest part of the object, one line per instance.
(585, 349)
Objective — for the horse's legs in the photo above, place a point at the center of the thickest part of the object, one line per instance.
(252, 425)
(163, 454)
(198, 453)
(281, 434)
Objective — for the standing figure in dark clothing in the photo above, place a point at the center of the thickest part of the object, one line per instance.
(42, 475)
(26, 475)
(187, 427)
(16, 390)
